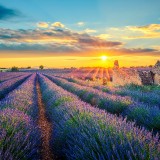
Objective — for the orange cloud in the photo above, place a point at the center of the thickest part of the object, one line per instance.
(104, 36)
(148, 31)
(62, 41)
(146, 28)
(39, 38)
(58, 24)
(42, 24)
(90, 30)
(138, 32)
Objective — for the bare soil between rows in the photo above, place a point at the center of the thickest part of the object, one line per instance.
(45, 127)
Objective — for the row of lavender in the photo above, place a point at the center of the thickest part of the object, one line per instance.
(149, 95)
(92, 73)
(19, 134)
(7, 86)
(81, 131)
(143, 114)
(8, 75)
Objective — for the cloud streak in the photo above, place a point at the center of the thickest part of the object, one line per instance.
(90, 30)
(138, 32)
(58, 25)
(54, 36)
(7, 13)
(42, 24)
(65, 41)
(80, 24)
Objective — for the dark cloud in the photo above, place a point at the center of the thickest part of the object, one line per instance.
(38, 47)
(139, 50)
(93, 41)
(22, 47)
(135, 51)
(65, 42)
(52, 36)
(6, 13)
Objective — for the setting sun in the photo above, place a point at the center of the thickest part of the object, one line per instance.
(104, 58)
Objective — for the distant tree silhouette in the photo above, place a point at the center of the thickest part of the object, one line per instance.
(14, 69)
(41, 67)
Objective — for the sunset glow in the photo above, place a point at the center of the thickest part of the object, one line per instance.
(104, 58)
(44, 33)
(79, 79)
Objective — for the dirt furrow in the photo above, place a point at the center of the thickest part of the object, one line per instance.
(45, 127)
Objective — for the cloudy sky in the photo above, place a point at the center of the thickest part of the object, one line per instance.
(65, 33)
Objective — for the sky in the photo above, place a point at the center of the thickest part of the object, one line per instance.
(76, 33)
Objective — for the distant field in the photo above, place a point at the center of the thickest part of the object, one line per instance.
(77, 114)
(3, 70)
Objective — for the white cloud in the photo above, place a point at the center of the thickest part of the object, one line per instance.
(90, 30)
(80, 24)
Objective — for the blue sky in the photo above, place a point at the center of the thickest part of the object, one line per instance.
(97, 13)
(79, 27)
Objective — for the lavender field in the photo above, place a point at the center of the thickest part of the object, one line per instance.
(64, 114)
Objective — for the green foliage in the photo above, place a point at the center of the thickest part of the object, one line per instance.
(41, 67)
(62, 100)
(142, 88)
(14, 69)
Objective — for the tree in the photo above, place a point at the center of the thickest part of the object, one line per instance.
(41, 67)
(14, 69)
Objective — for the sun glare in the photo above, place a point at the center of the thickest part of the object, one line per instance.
(104, 58)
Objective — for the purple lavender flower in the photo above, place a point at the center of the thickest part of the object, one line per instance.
(85, 132)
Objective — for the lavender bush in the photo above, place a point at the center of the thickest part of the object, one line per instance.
(7, 86)
(149, 95)
(20, 137)
(84, 132)
(8, 75)
(114, 104)
(23, 98)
